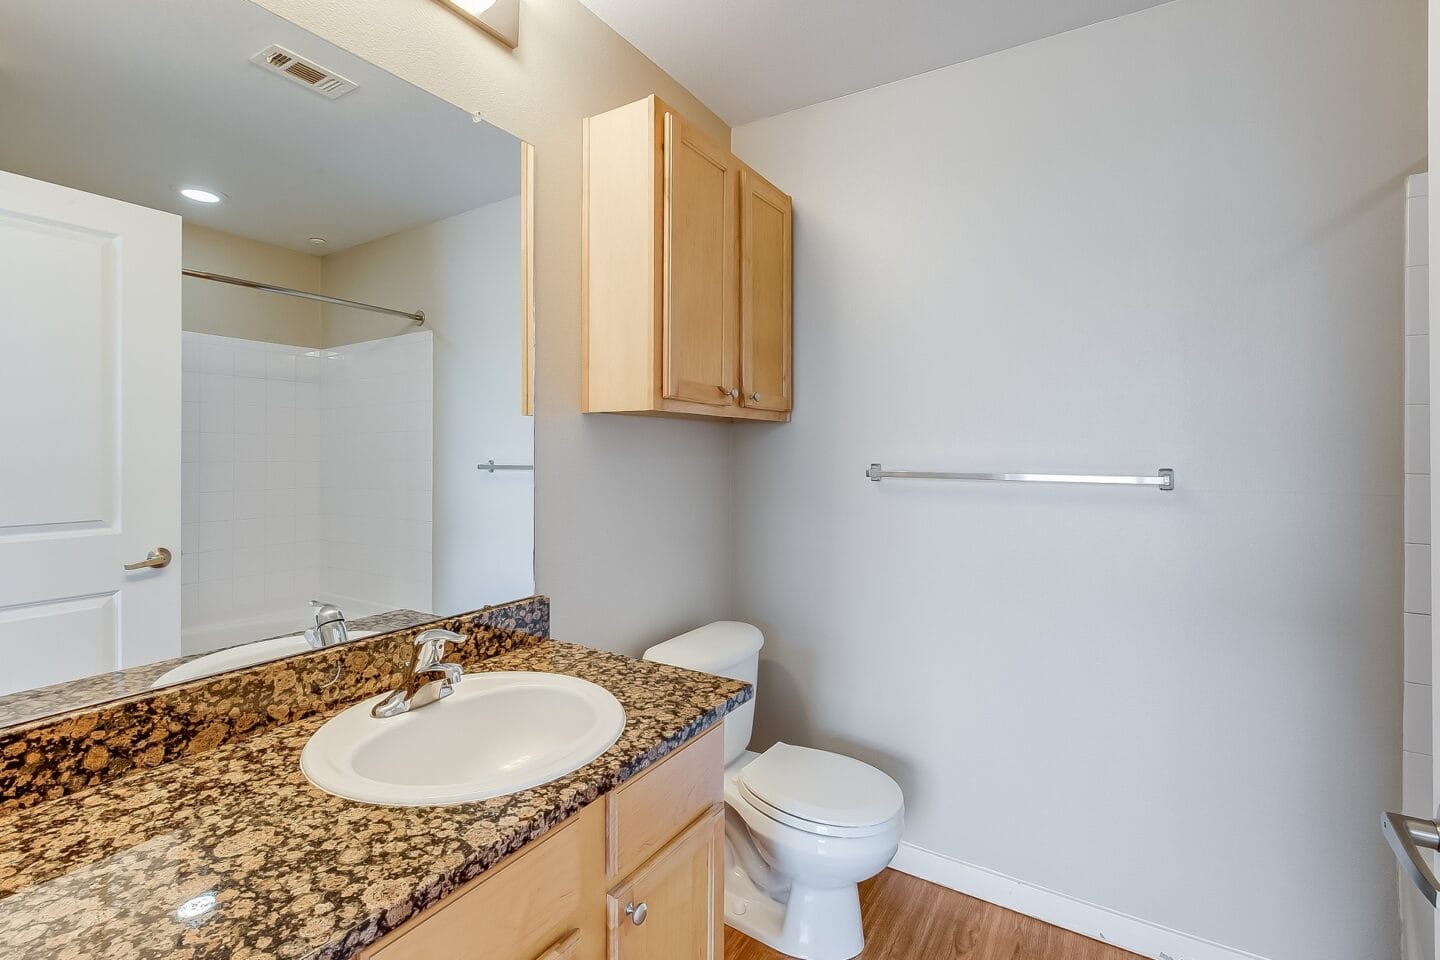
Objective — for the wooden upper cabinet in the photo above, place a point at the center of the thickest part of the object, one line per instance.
(765, 285)
(699, 260)
(676, 321)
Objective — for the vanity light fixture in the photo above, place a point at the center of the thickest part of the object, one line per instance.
(200, 195)
(499, 18)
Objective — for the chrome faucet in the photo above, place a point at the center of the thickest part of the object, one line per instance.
(329, 629)
(428, 674)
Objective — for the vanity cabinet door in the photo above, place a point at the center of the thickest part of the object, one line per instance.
(671, 908)
(701, 293)
(765, 312)
(541, 904)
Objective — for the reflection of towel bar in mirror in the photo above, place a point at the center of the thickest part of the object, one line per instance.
(490, 466)
(418, 316)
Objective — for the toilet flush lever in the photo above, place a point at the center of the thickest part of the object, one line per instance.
(1407, 835)
(637, 912)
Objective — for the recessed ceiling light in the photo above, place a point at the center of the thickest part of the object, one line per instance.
(318, 241)
(199, 195)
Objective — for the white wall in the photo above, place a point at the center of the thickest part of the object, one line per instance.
(305, 473)
(250, 487)
(633, 515)
(377, 434)
(464, 272)
(1172, 239)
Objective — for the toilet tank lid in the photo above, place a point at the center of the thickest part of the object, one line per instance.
(713, 648)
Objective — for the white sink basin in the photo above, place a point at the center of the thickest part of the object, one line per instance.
(242, 655)
(496, 734)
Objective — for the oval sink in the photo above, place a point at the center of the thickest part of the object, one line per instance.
(242, 655)
(496, 734)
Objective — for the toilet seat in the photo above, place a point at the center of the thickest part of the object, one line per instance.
(820, 792)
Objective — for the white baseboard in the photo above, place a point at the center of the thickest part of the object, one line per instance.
(1094, 921)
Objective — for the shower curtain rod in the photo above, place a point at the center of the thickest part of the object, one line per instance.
(418, 316)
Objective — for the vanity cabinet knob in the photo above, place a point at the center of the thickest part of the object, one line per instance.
(754, 398)
(732, 392)
(637, 912)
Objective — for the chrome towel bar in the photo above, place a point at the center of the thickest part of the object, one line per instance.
(490, 466)
(1164, 478)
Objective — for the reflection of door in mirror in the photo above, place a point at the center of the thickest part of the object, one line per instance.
(88, 422)
(302, 416)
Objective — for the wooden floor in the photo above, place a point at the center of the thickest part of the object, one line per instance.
(910, 919)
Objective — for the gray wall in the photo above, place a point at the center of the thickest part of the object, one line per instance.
(1172, 239)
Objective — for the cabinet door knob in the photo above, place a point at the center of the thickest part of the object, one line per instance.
(637, 912)
(731, 392)
(754, 398)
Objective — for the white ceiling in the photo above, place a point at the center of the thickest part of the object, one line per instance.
(748, 59)
(134, 99)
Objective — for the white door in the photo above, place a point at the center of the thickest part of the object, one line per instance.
(89, 433)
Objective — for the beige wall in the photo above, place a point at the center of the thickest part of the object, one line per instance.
(230, 311)
(634, 516)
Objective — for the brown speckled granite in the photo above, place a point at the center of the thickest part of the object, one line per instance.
(50, 758)
(298, 873)
(27, 705)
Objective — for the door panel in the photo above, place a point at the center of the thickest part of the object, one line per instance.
(765, 309)
(700, 254)
(677, 897)
(90, 426)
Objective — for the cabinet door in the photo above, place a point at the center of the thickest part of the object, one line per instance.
(765, 312)
(701, 251)
(541, 904)
(670, 908)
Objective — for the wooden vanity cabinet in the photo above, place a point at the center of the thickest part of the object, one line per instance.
(681, 892)
(686, 273)
(654, 845)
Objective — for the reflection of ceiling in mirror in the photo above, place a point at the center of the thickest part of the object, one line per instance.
(135, 100)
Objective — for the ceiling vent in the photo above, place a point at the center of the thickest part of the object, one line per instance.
(307, 73)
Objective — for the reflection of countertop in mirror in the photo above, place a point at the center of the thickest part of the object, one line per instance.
(295, 872)
(26, 705)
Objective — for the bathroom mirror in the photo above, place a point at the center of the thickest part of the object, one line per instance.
(332, 402)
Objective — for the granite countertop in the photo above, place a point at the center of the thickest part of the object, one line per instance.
(295, 872)
(25, 705)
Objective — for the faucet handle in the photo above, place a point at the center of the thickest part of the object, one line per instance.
(430, 646)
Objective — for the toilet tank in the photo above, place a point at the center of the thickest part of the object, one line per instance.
(726, 648)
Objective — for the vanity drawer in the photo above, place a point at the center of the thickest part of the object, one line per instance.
(647, 812)
(544, 902)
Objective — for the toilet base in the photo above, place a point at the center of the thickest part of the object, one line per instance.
(811, 925)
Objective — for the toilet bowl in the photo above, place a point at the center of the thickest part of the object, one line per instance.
(803, 827)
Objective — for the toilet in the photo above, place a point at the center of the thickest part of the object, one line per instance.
(803, 827)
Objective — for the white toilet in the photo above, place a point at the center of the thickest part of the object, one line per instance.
(802, 827)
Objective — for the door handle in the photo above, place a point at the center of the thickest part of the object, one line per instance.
(157, 558)
(1407, 835)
